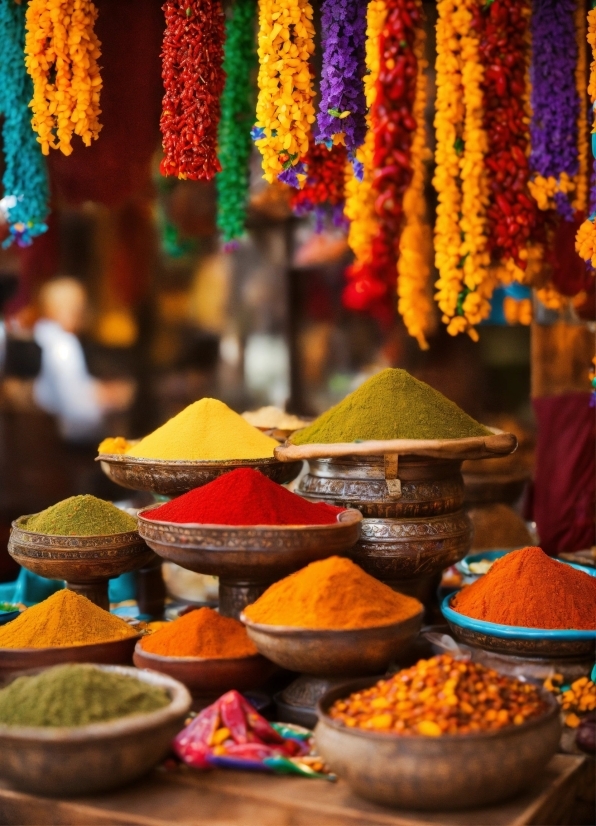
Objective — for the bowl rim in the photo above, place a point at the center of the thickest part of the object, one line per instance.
(194, 660)
(91, 645)
(180, 702)
(134, 536)
(124, 458)
(347, 518)
(498, 553)
(367, 682)
(512, 632)
(293, 630)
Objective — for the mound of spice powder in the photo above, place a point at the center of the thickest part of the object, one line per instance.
(332, 593)
(63, 619)
(527, 588)
(391, 405)
(201, 633)
(441, 696)
(81, 516)
(205, 430)
(77, 695)
(244, 497)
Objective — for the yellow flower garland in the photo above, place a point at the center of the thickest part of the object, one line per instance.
(360, 196)
(285, 110)
(585, 240)
(415, 246)
(61, 53)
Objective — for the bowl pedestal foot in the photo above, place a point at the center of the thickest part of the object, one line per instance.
(235, 596)
(96, 591)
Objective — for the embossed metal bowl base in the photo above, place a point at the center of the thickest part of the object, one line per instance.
(172, 478)
(297, 703)
(95, 758)
(331, 653)
(437, 773)
(85, 562)
(117, 652)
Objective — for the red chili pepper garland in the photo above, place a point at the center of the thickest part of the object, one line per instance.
(324, 185)
(512, 214)
(194, 80)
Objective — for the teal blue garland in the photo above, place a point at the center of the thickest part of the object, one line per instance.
(25, 180)
(237, 117)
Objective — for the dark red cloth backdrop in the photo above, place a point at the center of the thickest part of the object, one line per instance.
(565, 480)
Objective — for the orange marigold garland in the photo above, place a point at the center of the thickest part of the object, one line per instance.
(193, 79)
(585, 242)
(61, 54)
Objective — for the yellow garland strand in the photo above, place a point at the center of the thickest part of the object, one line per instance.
(415, 246)
(285, 110)
(61, 53)
(360, 196)
(585, 240)
(581, 183)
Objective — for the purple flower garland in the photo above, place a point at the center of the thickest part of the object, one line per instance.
(554, 98)
(343, 34)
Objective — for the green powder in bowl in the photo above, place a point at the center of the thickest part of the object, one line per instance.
(391, 405)
(81, 516)
(77, 695)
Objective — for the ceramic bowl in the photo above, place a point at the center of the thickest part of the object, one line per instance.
(464, 565)
(9, 615)
(94, 758)
(436, 773)
(117, 652)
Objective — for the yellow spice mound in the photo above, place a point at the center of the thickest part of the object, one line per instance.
(63, 619)
(334, 593)
(206, 430)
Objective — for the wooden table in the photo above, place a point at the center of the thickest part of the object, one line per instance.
(221, 798)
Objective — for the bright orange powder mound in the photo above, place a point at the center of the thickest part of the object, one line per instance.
(528, 588)
(201, 633)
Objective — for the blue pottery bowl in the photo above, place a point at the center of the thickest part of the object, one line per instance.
(8, 612)
(463, 566)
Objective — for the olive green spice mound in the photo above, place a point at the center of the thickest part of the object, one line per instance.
(81, 516)
(391, 405)
(76, 695)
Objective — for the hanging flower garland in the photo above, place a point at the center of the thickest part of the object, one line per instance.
(415, 244)
(342, 111)
(237, 107)
(62, 51)
(585, 241)
(25, 181)
(193, 77)
(580, 203)
(324, 188)
(555, 106)
(285, 112)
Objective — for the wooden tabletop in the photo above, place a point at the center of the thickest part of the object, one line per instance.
(222, 798)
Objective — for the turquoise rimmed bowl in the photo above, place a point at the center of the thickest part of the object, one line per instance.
(517, 640)
(463, 566)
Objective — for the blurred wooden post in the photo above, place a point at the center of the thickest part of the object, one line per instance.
(561, 355)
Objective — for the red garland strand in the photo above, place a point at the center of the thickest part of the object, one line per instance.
(193, 78)
(512, 215)
(324, 185)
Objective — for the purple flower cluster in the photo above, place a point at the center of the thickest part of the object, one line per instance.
(343, 34)
(554, 98)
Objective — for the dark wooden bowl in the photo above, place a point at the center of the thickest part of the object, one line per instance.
(117, 652)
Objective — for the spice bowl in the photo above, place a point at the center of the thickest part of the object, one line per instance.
(85, 562)
(334, 653)
(207, 679)
(170, 477)
(98, 757)
(116, 652)
(518, 640)
(436, 773)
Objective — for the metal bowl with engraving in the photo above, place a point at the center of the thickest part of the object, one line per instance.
(116, 652)
(174, 477)
(333, 653)
(94, 758)
(518, 640)
(436, 773)
(85, 562)
(248, 559)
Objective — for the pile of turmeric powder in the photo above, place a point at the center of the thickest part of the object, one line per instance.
(335, 594)
(62, 620)
(202, 633)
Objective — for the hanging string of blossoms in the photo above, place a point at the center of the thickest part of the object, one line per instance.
(580, 204)
(285, 112)
(323, 189)
(585, 241)
(342, 111)
(555, 106)
(25, 182)
(62, 51)
(415, 244)
(237, 107)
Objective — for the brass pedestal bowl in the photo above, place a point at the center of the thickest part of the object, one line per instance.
(436, 773)
(208, 679)
(116, 652)
(174, 477)
(94, 758)
(248, 559)
(85, 562)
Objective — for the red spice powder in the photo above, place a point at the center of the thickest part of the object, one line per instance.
(528, 588)
(244, 497)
